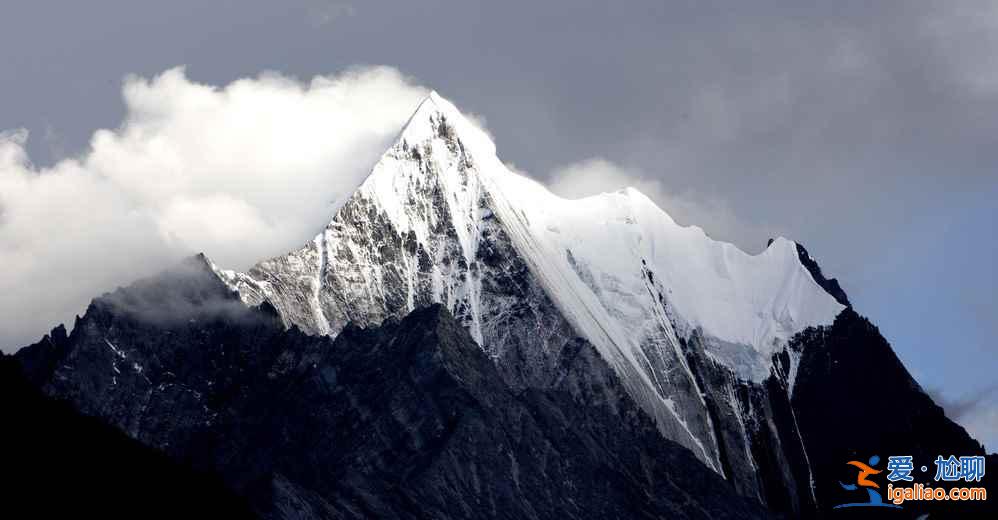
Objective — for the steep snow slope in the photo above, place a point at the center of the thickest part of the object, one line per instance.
(442, 219)
(608, 251)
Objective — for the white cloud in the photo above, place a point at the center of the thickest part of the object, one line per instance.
(598, 175)
(242, 172)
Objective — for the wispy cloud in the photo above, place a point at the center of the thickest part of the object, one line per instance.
(976, 411)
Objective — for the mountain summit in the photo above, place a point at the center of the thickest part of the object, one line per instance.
(441, 219)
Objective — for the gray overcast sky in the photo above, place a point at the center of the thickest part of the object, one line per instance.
(866, 130)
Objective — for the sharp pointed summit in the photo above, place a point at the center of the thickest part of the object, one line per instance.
(436, 115)
(441, 219)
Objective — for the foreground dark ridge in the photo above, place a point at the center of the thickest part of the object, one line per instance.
(60, 464)
(407, 420)
(853, 398)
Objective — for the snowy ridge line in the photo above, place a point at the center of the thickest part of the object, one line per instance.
(617, 268)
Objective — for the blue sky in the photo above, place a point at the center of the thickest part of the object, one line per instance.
(931, 292)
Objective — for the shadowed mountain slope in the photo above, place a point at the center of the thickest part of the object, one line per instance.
(407, 420)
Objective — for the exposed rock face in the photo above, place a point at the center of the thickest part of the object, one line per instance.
(60, 464)
(760, 447)
(828, 284)
(407, 420)
(162, 359)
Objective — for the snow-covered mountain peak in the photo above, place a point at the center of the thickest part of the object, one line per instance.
(441, 219)
(598, 257)
(438, 117)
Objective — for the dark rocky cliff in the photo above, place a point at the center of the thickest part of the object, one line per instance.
(407, 420)
(412, 419)
(60, 464)
(853, 399)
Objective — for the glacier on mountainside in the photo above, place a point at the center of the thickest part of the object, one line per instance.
(442, 219)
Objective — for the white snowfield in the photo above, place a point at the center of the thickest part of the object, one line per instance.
(621, 271)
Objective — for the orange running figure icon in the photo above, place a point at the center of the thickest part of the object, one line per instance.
(864, 471)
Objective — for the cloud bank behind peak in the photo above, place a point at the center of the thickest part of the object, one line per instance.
(242, 172)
